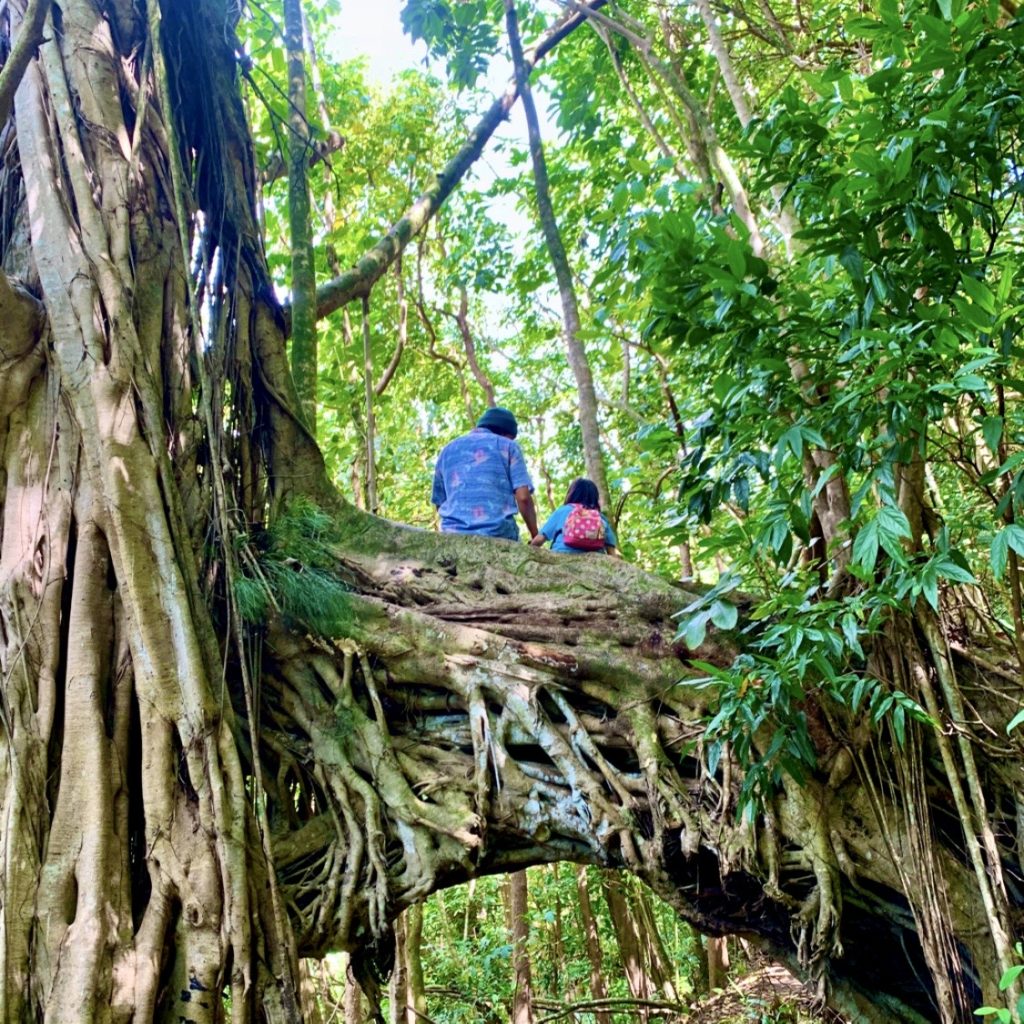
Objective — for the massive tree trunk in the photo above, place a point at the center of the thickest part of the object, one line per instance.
(244, 723)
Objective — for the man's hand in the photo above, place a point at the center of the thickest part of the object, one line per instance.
(524, 500)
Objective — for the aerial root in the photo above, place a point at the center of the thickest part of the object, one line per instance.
(483, 757)
(817, 922)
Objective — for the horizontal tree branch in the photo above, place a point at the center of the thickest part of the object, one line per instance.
(622, 1005)
(358, 281)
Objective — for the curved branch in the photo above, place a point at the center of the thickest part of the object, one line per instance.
(358, 281)
(29, 37)
(403, 334)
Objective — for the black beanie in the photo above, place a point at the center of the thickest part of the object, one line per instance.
(499, 421)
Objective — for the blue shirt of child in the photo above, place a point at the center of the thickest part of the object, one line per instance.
(553, 528)
(475, 480)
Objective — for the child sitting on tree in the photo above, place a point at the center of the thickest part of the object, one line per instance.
(579, 526)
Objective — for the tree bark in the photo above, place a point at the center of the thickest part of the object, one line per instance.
(368, 411)
(590, 429)
(303, 282)
(517, 912)
(592, 939)
(398, 983)
(416, 998)
(627, 937)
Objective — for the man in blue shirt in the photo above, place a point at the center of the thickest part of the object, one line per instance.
(481, 480)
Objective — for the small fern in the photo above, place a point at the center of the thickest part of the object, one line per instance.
(297, 573)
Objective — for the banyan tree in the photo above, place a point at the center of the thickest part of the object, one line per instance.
(243, 723)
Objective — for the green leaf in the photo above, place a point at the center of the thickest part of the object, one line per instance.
(1011, 536)
(979, 293)
(1009, 976)
(899, 725)
(892, 521)
(854, 264)
(724, 615)
(1015, 721)
(865, 547)
(992, 431)
(695, 630)
(949, 570)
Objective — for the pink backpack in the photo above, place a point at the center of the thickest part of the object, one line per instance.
(584, 529)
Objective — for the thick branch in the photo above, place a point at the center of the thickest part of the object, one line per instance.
(361, 278)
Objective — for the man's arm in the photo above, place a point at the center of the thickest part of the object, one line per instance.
(438, 494)
(524, 500)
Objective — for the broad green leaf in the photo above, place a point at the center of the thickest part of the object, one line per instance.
(1009, 537)
(949, 570)
(724, 615)
(1009, 976)
(979, 293)
(865, 547)
(695, 630)
(892, 521)
(992, 431)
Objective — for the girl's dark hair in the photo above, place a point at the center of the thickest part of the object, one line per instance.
(583, 492)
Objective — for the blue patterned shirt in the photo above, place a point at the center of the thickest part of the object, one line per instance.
(475, 482)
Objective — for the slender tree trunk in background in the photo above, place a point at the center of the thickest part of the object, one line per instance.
(701, 980)
(309, 996)
(628, 938)
(371, 423)
(589, 426)
(517, 911)
(686, 562)
(398, 983)
(430, 330)
(645, 119)
(406, 992)
(353, 1004)
(718, 961)
(461, 318)
(469, 344)
(416, 992)
(592, 940)
(303, 282)
(712, 161)
(782, 215)
(662, 970)
(469, 916)
(402, 333)
(560, 983)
